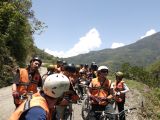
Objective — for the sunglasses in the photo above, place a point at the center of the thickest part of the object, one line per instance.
(104, 71)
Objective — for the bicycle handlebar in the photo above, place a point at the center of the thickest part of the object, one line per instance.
(113, 113)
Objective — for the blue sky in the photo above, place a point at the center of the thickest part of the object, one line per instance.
(80, 26)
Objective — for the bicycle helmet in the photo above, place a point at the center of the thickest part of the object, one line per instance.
(86, 65)
(55, 85)
(36, 58)
(70, 68)
(94, 66)
(64, 62)
(102, 69)
(59, 61)
(119, 74)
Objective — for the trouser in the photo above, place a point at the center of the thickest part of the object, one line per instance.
(121, 108)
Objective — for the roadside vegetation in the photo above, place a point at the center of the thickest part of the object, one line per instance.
(146, 81)
(17, 26)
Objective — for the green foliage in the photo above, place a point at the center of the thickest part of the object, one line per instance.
(46, 58)
(152, 106)
(140, 74)
(17, 25)
(151, 99)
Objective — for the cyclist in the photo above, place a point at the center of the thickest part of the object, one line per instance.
(100, 92)
(120, 88)
(58, 66)
(26, 80)
(62, 67)
(71, 95)
(82, 82)
(39, 105)
(50, 70)
(92, 70)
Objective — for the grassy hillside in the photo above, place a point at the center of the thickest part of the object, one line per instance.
(150, 97)
(141, 53)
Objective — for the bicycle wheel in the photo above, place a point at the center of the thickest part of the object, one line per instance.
(68, 114)
(86, 107)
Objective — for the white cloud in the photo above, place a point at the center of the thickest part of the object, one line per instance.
(148, 33)
(116, 45)
(85, 44)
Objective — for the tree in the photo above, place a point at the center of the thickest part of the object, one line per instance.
(17, 25)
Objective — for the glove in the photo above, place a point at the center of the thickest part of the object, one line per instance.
(15, 94)
(118, 93)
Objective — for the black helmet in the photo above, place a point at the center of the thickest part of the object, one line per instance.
(59, 61)
(94, 66)
(64, 62)
(70, 68)
(36, 58)
(86, 65)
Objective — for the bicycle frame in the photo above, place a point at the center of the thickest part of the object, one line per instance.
(108, 115)
(68, 112)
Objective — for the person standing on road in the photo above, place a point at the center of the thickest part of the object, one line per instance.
(40, 105)
(26, 80)
(100, 92)
(120, 88)
(70, 96)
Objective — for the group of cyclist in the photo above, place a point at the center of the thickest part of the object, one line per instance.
(48, 96)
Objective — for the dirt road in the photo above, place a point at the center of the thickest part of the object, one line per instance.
(7, 106)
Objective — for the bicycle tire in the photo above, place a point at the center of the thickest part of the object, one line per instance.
(68, 115)
(86, 107)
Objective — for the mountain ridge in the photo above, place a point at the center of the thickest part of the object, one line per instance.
(141, 53)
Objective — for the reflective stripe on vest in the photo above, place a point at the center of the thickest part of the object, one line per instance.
(100, 90)
(25, 85)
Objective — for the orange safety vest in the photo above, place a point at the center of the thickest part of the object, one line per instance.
(117, 88)
(25, 85)
(36, 100)
(100, 90)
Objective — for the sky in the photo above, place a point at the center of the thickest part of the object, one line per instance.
(79, 26)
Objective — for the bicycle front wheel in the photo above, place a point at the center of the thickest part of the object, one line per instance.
(86, 107)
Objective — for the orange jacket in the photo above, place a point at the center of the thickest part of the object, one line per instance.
(25, 85)
(117, 88)
(36, 100)
(100, 90)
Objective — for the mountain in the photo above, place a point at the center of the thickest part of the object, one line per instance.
(141, 53)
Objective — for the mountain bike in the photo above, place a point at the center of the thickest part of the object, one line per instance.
(68, 113)
(86, 107)
(116, 116)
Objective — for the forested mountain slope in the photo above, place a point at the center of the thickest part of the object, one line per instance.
(141, 53)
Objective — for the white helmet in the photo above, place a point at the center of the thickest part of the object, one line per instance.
(102, 68)
(55, 85)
